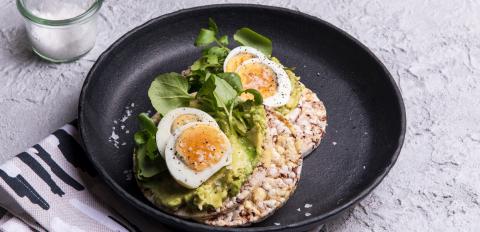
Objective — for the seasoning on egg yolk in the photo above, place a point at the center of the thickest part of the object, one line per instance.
(183, 119)
(202, 146)
(258, 76)
(235, 61)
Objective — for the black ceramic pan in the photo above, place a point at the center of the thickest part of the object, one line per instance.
(366, 115)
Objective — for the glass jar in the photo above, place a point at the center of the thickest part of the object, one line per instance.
(60, 30)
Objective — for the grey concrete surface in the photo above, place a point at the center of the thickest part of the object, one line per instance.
(432, 48)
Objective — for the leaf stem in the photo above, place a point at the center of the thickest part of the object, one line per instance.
(221, 45)
(230, 115)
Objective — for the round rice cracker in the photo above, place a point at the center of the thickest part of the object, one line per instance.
(282, 170)
(309, 120)
(229, 204)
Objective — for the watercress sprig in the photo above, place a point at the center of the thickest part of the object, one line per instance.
(210, 35)
(207, 85)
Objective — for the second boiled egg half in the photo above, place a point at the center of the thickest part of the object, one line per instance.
(258, 72)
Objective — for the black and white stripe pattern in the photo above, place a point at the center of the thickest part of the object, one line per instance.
(53, 184)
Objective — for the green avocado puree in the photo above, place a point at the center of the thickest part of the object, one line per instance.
(225, 183)
(297, 89)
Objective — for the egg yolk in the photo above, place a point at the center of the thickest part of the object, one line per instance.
(201, 146)
(235, 61)
(183, 119)
(258, 76)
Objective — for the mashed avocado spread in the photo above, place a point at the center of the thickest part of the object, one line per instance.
(297, 89)
(225, 183)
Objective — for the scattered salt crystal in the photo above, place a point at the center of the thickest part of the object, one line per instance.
(114, 139)
(308, 214)
(276, 223)
(114, 136)
(334, 143)
(299, 210)
(364, 167)
(366, 133)
(124, 118)
(308, 205)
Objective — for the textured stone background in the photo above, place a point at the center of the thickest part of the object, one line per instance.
(432, 48)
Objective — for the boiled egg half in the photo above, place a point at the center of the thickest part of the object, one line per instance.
(177, 118)
(238, 55)
(195, 152)
(258, 72)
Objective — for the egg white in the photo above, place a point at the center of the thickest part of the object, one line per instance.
(284, 86)
(182, 173)
(240, 49)
(164, 126)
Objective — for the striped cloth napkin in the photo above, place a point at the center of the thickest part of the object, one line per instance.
(52, 187)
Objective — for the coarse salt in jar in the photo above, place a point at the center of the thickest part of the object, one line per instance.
(60, 30)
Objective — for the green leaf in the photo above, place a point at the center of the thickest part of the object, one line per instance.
(205, 95)
(206, 61)
(169, 91)
(151, 148)
(224, 40)
(146, 123)
(205, 37)
(196, 80)
(248, 37)
(197, 65)
(257, 96)
(224, 93)
(220, 52)
(147, 167)
(139, 138)
(212, 59)
(216, 93)
(145, 137)
(212, 25)
(233, 79)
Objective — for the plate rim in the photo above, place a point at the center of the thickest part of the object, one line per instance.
(303, 223)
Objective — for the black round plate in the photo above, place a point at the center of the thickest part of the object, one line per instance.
(366, 115)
